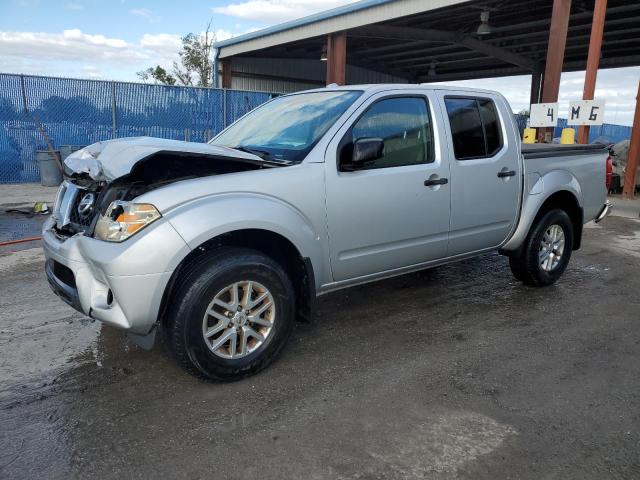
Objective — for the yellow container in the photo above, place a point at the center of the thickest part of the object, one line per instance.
(529, 135)
(568, 136)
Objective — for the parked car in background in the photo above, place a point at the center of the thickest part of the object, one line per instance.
(223, 245)
(620, 157)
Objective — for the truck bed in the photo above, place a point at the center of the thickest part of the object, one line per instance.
(544, 150)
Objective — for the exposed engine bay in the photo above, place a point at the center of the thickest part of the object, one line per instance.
(83, 199)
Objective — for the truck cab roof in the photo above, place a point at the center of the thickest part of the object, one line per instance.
(384, 87)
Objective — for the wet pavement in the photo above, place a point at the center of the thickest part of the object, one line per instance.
(18, 224)
(455, 372)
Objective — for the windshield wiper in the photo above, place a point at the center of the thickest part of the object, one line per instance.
(260, 153)
(264, 155)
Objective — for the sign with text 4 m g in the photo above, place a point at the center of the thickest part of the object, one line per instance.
(543, 115)
(586, 112)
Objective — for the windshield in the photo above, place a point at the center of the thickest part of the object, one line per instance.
(287, 128)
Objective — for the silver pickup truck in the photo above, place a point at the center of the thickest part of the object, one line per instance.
(223, 245)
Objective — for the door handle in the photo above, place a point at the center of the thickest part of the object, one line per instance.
(510, 173)
(436, 181)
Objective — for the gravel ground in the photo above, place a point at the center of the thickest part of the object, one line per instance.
(455, 372)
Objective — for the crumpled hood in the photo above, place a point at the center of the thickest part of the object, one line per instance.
(111, 159)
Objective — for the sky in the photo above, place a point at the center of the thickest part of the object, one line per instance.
(114, 39)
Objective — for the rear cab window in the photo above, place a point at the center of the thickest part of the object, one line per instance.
(475, 127)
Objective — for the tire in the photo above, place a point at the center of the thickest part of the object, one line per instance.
(239, 269)
(528, 266)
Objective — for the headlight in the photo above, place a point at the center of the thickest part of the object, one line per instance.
(123, 219)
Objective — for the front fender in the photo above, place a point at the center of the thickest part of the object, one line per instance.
(205, 218)
(535, 196)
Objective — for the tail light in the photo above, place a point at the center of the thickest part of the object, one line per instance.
(609, 173)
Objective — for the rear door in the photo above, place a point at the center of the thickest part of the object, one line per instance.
(486, 174)
(384, 217)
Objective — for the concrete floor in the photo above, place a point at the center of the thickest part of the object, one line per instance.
(623, 207)
(456, 372)
(25, 194)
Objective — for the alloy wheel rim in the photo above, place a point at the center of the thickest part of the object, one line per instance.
(239, 319)
(551, 248)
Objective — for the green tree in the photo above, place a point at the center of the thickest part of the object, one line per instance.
(157, 74)
(195, 66)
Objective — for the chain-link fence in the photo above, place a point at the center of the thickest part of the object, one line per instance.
(605, 133)
(81, 112)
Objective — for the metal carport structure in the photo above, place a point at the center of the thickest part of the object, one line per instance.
(425, 41)
(415, 41)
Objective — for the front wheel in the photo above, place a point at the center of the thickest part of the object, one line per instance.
(546, 251)
(231, 313)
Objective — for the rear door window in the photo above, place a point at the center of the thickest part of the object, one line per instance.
(491, 124)
(475, 127)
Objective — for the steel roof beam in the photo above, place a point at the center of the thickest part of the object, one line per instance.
(407, 33)
(466, 75)
(572, 44)
(496, 71)
(493, 41)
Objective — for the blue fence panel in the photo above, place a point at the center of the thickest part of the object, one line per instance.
(610, 132)
(16, 148)
(607, 132)
(179, 113)
(239, 103)
(70, 111)
(82, 112)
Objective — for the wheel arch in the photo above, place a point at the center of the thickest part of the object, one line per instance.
(276, 246)
(564, 197)
(567, 201)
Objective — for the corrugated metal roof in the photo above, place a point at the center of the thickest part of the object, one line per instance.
(436, 40)
(334, 12)
(343, 18)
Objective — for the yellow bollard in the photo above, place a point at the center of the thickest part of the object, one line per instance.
(568, 136)
(529, 135)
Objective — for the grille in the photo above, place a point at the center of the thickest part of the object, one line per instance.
(81, 222)
(68, 218)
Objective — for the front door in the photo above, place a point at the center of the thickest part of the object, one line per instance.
(384, 217)
(486, 172)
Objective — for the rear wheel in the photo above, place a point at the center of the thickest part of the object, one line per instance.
(231, 314)
(547, 250)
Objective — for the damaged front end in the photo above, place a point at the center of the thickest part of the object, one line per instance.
(90, 264)
(102, 178)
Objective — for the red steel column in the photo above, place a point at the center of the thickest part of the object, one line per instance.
(226, 72)
(593, 60)
(634, 153)
(555, 57)
(337, 58)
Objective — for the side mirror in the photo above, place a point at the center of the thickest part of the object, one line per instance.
(366, 151)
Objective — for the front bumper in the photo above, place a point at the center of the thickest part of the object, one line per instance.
(120, 284)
